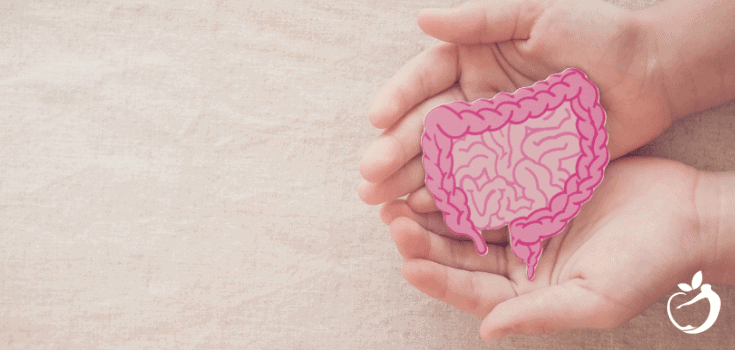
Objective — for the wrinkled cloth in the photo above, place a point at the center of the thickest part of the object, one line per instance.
(182, 175)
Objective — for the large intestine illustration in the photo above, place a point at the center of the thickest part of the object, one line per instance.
(528, 160)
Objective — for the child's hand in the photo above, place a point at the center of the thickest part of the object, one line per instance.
(638, 236)
(500, 47)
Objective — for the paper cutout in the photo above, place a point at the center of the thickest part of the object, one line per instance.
(528, 160)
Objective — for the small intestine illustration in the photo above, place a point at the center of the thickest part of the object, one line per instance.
(528, 160)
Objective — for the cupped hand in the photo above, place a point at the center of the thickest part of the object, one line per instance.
(501, 46)
(635, 239)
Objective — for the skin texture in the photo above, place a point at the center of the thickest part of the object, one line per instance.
(529, 42)
(651, 223)
(643, 214)
(694, 44)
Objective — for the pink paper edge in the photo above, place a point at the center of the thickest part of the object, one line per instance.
(529, 102)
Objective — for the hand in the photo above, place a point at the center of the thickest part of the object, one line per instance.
(633, 241)
(497, 47)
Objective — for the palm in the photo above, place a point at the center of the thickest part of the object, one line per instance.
(528, 43)
(615, 53)
(635, 111)
(629, 244)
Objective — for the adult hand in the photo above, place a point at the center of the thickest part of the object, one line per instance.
(501, 46)
(638, 236)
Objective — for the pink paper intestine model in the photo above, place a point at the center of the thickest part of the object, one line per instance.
(528, 160)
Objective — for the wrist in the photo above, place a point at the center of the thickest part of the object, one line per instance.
(676, 88)
(693, 47)
(715, 202)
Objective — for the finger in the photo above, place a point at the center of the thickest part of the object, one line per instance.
(473, 292)
(402, 141)
(434, 222)
(414, 242)
(426, 75)
(504, 53)
(404, 181)
(552, 309)
(483, 76)
(528, 65)
(384, 156)
(421, 201)
(481, 22)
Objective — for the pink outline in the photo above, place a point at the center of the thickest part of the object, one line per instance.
(447, 123)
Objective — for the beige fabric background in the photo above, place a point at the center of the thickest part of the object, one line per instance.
(181, 174)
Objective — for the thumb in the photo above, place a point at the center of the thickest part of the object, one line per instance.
(552, 309)
(481, 22)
